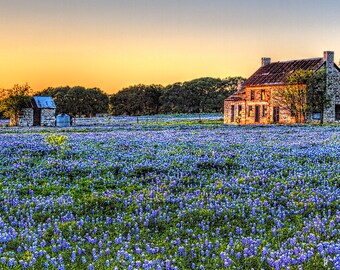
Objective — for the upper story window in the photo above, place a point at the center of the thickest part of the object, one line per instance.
(263, 94)
(252, 95)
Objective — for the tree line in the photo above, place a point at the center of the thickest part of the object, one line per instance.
(304, 92)
(195, 96)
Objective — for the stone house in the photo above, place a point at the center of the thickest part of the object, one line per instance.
(41, 113)
(254, 101)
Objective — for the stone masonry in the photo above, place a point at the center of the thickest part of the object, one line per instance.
(333, 90)
(26, 117)
(48, 117)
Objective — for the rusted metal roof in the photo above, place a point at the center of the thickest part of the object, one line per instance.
(237, 96)
(44, 102)
(276, 73)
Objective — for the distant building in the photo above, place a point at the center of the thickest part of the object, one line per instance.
(253, 102)
(41, 113)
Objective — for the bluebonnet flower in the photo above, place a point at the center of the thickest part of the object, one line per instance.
(278, 204)
(73, 256)
(11, 262)
(336, 262)
(3, 260)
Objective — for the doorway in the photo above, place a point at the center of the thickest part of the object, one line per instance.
(257, 114)
(276, 114)
(36, 117)
(232, 113)
(337, 112)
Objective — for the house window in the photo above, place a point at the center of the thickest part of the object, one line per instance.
(337, 112)
(263, 94)
(239, 113)
(252, 95)
(250, 111)
(264, 110)
(232, 115)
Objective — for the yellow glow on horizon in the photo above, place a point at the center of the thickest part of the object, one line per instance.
(93, 58)
(111, 68)
(113, 51)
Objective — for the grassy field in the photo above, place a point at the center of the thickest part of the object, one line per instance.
(181, 195)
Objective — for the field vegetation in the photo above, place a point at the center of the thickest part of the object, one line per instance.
(171, 196)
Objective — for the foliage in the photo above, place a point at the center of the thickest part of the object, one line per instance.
(13, 100)
(193, 197)
(199, 95)
(58, 141)
(78, 100)
(196, 96)
(317, 97)
(292, 97)
(238, 118)
(305, 91)
(136, 100)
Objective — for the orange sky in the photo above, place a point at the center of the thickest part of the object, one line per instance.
(114, 44)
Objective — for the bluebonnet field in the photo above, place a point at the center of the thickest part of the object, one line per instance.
(170, 197)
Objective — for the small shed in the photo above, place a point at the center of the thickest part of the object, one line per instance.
(44, 110)
(41, 113)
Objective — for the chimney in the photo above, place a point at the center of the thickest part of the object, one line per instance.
(328, 56)
(239, 85)
(265, 61)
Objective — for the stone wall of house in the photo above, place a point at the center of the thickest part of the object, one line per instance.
(26, 118)
(333, 89)
(334, 93)
(285, 115)
(258, 101)
(239, 117)
(226, 111)
(48, 117)
(247, 116)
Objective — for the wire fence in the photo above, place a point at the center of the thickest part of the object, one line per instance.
(145, 119)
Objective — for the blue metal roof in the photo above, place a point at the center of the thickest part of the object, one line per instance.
(44, 102)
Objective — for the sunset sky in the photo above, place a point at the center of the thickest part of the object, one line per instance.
(112, 44)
